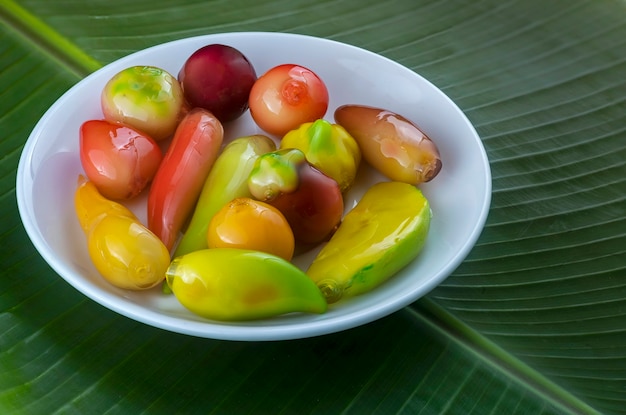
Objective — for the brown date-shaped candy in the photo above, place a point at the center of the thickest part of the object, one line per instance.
(391, 144)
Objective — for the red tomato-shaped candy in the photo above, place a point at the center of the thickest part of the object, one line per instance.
(285, 97)
(118, 159)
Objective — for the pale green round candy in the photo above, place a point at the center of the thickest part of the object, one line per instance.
(147, 98)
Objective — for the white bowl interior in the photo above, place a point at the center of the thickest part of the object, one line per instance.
(459, 196)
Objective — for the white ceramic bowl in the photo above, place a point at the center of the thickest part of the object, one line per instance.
(460, 195)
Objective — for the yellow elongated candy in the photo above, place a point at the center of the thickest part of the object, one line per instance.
(121, 248)
(126, 253)
(232, 284)
(383, 233)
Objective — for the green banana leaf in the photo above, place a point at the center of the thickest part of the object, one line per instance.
(532, 322)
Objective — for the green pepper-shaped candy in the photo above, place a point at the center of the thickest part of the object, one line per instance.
(227, 180)
(231, 284)
(328, 147)
(378, 237)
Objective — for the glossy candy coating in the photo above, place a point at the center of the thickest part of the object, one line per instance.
(286, 96)
(310, 200)
(227, 180)
(251, 224)
(238, 284)
(181, 175)
(218, 78)
(118, 159)
(391, 143)
(383, 233)
(122, 249)
(147, 98)
(329, 148)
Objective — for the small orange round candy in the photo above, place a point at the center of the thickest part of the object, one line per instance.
(251, 224)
